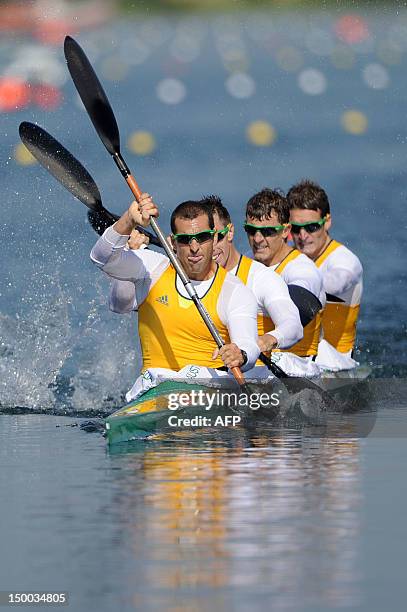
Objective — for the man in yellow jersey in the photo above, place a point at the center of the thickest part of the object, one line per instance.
(267, 227)
(341, 270)
(269, 289)
(172, 333)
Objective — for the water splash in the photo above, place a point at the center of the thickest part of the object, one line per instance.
(49, 362)
(33, 350)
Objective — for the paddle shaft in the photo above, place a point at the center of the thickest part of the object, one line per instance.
(135, 189)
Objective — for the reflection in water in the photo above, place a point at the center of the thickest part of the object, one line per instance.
(276, 517)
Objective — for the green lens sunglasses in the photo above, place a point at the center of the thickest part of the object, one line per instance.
(200, 237)
(220, 234)
(310, 226)
(265, 230)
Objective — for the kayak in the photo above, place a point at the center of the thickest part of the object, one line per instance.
(155, 411)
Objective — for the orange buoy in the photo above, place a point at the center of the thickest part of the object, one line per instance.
(352, 29)
(14, 94)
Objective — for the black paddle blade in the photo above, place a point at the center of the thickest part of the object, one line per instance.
(92, 95)
(101, 220)
(307, 303)
(59, 162)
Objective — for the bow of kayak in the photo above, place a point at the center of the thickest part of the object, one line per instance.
(148, 414)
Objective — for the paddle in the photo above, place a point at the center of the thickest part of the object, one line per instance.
(66, 169)
(307, 303)
(101, 114)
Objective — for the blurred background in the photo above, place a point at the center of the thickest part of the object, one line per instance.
(219, 97)
(211, 97)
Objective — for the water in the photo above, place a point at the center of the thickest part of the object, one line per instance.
(284, 519)
(280, 519)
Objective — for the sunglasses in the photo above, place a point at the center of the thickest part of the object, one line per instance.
(310, 227)
(265, 230)
(200, 237)
(220, 234)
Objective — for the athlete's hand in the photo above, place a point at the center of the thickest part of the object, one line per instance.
(141, 211)
(230, 354)
(137, 239)
(266, 343)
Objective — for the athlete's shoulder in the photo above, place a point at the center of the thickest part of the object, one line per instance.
(301, 264)
(343, 257)
(261, 273)
(305, 261)
(232, 279)
(233, 285)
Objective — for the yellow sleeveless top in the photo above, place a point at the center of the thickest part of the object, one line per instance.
(172, 332)
(339, 318)
(309, 343)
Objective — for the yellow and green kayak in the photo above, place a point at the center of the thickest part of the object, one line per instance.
(151, 413)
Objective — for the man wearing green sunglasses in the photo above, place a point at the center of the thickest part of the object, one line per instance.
(173, 337)
(269, 289)
(341, 271)
(267, 226)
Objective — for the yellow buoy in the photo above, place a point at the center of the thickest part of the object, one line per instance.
(141, 143)
(354, 122)
(23, 156)
(261, 133)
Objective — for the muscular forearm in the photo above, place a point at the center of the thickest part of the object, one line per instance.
(125, 225)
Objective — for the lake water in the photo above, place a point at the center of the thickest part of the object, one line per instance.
(281, 519)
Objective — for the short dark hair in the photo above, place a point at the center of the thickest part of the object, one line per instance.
(191, 209)
(215, 205)
(262, 204)
(308, 196)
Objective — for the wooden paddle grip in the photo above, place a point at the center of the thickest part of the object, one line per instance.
(132, 183)
(238, 375)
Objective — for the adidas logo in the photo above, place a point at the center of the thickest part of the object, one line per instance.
(163, 299)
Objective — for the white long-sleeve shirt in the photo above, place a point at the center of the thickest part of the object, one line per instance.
(273, 300)
(236, 305)
(342, 276)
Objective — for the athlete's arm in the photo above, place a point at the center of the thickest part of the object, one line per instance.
(338, 279)
(122, 298)
(304, 274)
(274, 298)
(111, 256)
(237, 309)
(109, 252)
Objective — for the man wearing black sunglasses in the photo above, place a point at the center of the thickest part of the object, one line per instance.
(341, 271)
(172, 333)
(268, 227)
